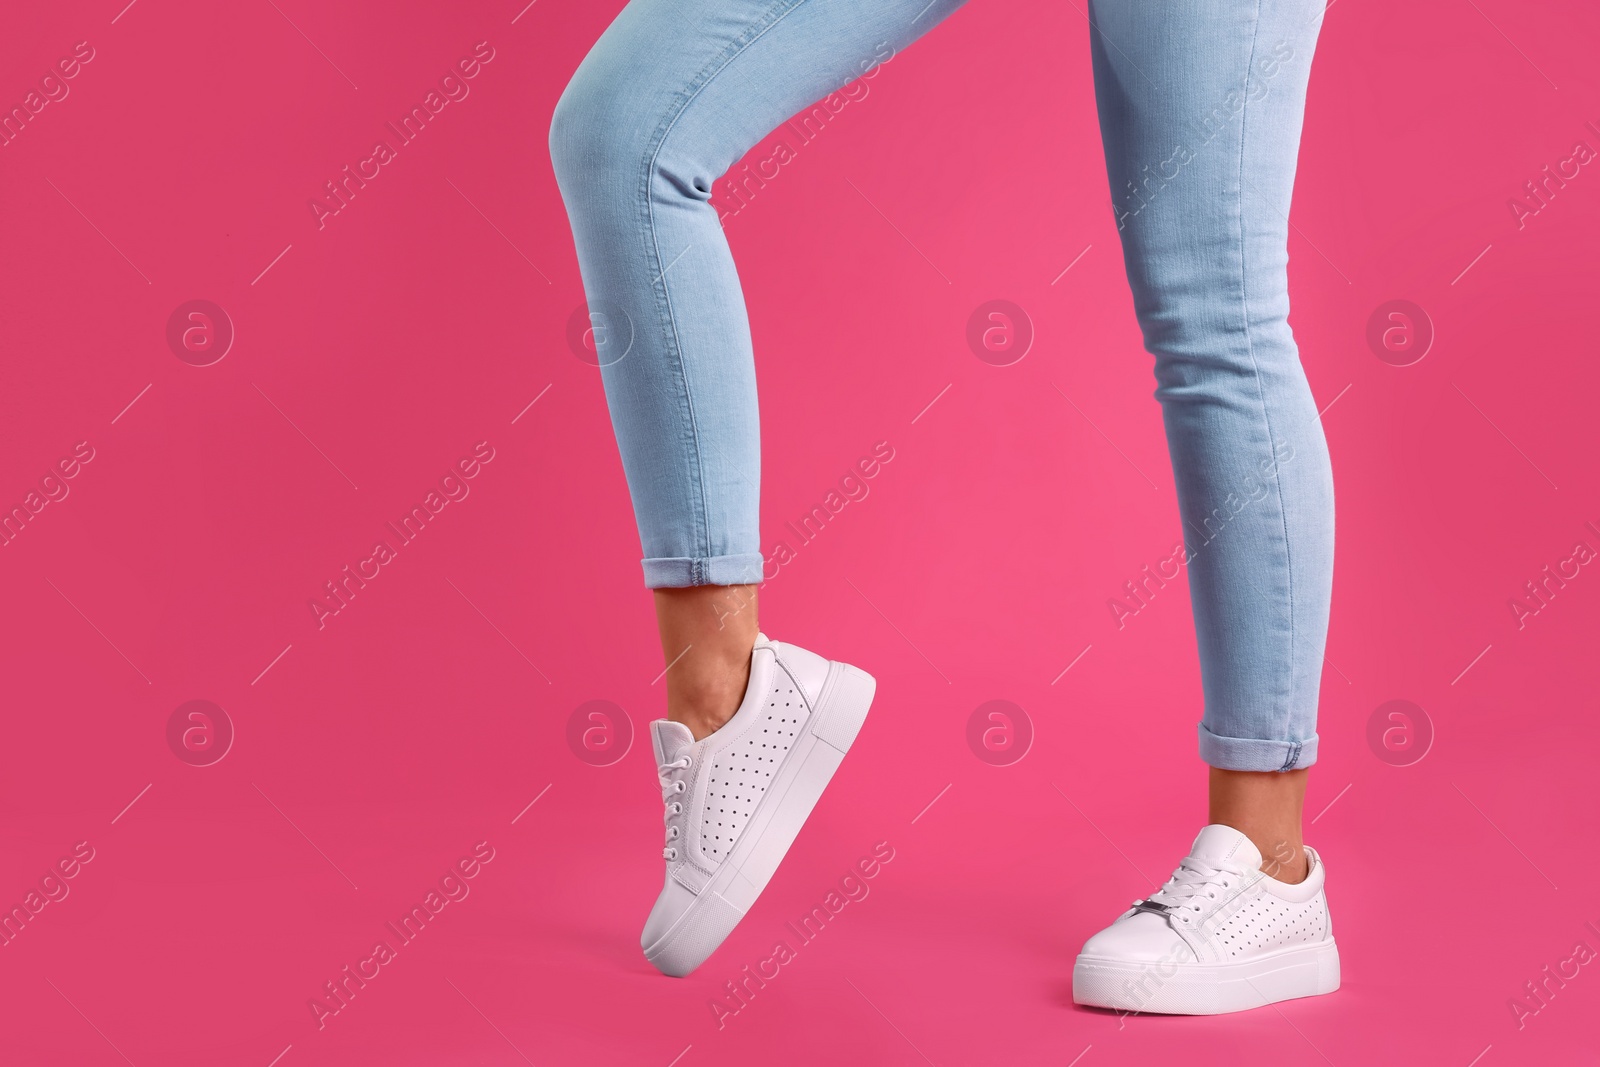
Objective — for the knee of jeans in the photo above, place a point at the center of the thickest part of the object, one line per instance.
(579, 132)
(1209, 334)
(603, 132)
(593, 131)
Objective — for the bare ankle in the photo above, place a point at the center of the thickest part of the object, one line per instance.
(705, 702)
(707, 633)
(1287, 863)
(1266, 807)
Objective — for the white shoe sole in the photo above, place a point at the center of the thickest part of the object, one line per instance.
(1207, 989)
(813, 757)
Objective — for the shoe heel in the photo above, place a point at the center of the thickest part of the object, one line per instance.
(1327, 969)
(842, 707)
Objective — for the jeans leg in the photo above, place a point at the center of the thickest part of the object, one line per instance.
(674, 93)
(1200, 112)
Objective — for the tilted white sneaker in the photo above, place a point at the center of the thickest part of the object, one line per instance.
(736, 799)
(1220, 936)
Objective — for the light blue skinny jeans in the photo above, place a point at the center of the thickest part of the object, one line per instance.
(1200, 109)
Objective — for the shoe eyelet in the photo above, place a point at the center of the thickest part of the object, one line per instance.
(679, 787)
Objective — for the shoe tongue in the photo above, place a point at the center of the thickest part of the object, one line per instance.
(1223, 846)
(669, 738)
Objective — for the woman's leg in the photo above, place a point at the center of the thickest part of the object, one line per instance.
(1200, 111)
(673, 94)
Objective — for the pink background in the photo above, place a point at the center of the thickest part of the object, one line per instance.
(372, 754)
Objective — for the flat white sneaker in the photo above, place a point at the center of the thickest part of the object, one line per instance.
(1220, 936)
(736, 799)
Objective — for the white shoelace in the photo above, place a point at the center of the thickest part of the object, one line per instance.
(672, 785)
(1188, 894)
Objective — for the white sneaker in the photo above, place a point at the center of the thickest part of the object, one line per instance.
(736, 799)
(1220, 936)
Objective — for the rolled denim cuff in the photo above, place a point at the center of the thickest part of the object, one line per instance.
(1256, 754)
(679, 572)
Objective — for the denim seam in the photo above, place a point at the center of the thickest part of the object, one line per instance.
(704, 78)
(1293, 750)
(1244, 301)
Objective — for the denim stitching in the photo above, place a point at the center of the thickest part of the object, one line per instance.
(1244, 303)
(664, 306)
